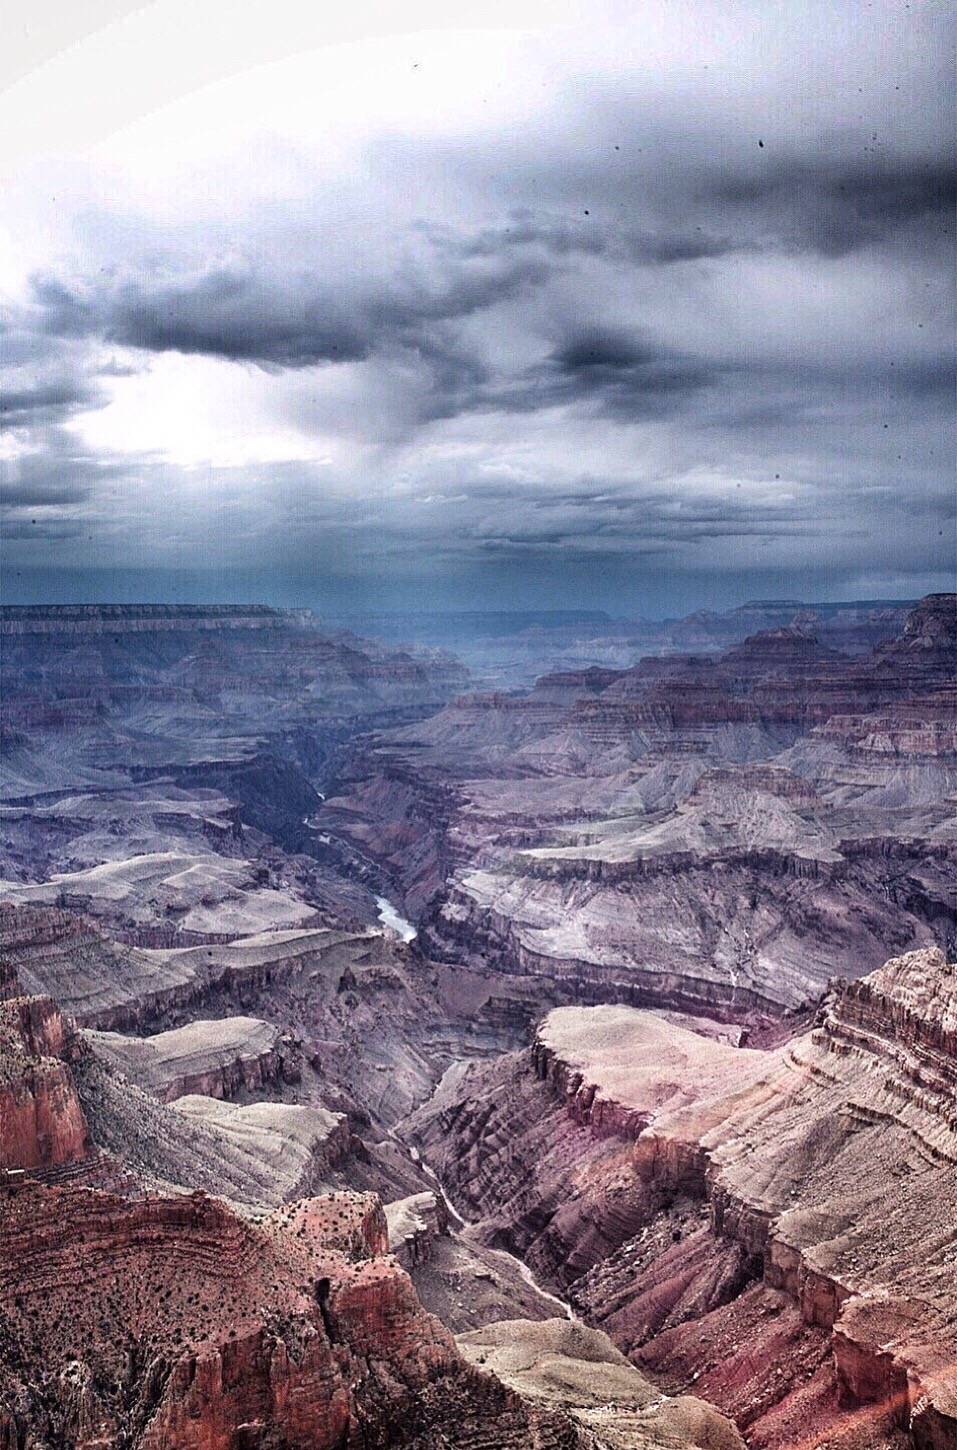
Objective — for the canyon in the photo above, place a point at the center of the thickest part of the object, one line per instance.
(391, 1059)
(718, 834)
(714, 1208)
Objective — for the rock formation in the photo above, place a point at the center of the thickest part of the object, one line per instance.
(775, 1227)
(414, 1225)
(558, 1363)
(643, 1034)
(790, 807)
(293, 1147)
(42, 1125)
(293, 1331)
(221, 1059)
(289, 1327)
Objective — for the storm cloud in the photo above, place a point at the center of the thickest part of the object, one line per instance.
(277, 318)
(672, 292)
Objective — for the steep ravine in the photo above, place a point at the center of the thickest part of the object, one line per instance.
(750, 1236)
(460, 1225)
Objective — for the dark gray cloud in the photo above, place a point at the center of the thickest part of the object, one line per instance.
(597, 369)
(31, 529)
(694, 313)
(560, 237)
(48, 493)
(275, 317)
(222, 312)
(837, 207)
(44, 401)
(624, 375)
(41, 382)
(59, 474)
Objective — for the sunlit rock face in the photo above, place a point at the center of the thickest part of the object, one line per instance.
(258, 1333)
(297, 1329)
(770, 1223)
(136, 1315)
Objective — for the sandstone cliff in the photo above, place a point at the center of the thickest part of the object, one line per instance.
(295, 1330)
(292, 1331)
(774, 1227)
(222, 1058)
(42, 1125)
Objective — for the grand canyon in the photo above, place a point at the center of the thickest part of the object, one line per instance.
(385, 1060)
(478, 725)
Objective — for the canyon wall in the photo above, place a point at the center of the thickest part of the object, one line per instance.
(690, 1196)
(42, 1125)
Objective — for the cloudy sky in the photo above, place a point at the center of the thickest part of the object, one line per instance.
(639, 304)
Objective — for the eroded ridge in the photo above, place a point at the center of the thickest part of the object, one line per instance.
(775, 1227)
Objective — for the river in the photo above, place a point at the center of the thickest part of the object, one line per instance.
(566, 1310)
(391, 918)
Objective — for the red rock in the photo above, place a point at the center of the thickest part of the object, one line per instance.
(41, 1121)
(204, 1332)
(824, 1272)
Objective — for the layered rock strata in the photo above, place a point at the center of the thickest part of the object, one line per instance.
(719, 834)
(296, 1148)
(775, 1227)
(291, 1327)
(42, 1125)
(222, 1058)
(294, 1331)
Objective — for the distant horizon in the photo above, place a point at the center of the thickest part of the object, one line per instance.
(570, 613)
(620, 590)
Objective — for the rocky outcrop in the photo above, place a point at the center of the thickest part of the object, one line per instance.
(396, 826)
(682, 1191)
(204, 650)
(72, 1113)
(414, 1225)
(375, 1026)
(748, 930)
(510, 649)
(42, 1125)
(197, 896)
(258, 1336)
(201, 1328)
(928, 639)
(98, 981)
(295, 1148)
(108, 703)
(9, 981)
(112, 987)
(296, 1330)
(554, 1362)
(920, 731)
(222, 1058)
(78, 620)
